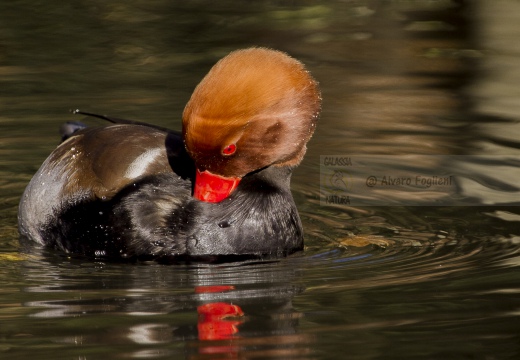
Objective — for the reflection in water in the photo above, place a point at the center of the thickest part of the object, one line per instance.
(260, 309)
(218, 321)
(210, 310)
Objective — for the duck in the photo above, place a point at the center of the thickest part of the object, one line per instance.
(218, 190)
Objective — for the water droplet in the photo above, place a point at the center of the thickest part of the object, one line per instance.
(224, 224)
(99, 253)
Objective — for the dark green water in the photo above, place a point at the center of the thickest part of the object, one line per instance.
(403, 79)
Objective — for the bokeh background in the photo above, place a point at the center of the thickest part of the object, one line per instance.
(398, 78)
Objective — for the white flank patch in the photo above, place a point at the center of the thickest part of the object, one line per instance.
(140, 164)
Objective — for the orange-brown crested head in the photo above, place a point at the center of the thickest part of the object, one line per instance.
(255, 108)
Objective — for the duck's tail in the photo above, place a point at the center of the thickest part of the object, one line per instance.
(120, 121)
(69, 128)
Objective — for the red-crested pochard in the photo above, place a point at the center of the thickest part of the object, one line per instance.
(221, 188)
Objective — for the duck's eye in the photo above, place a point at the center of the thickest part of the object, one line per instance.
(229, 150)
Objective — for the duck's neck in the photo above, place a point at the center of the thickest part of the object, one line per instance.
(278, 177)
(259, 219)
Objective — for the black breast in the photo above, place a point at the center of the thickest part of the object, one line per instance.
(157, 219)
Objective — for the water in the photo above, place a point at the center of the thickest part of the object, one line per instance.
(424, 83)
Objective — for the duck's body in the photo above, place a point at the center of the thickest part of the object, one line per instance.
(128, 191)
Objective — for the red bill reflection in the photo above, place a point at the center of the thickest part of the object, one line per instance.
(218, 320)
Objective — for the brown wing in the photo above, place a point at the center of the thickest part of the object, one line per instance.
(102, 161)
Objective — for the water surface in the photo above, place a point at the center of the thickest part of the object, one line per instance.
(430, 86)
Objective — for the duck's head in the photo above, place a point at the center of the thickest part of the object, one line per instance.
(255, 108)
